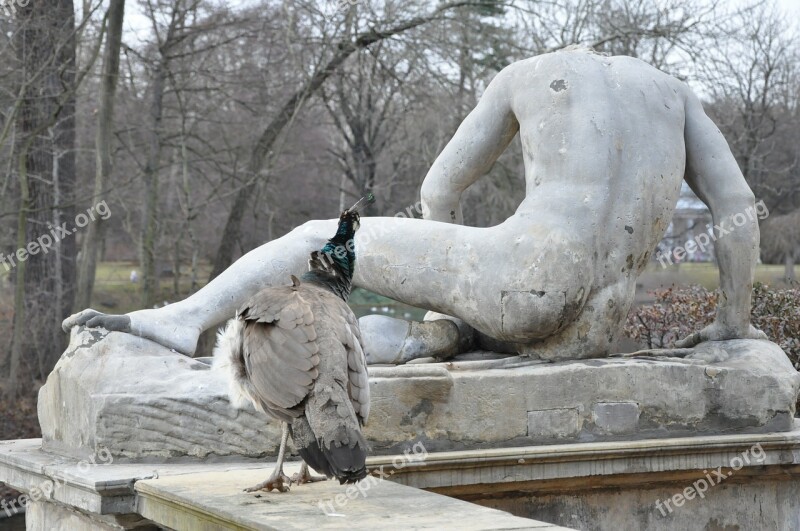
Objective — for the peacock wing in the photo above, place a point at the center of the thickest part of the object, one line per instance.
(357, 370)
(349, 334)
(280, 350)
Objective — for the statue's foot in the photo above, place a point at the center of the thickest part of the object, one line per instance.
(156, 325)
(94, 319)
(396, 341)
(304, 476)
(277, 481)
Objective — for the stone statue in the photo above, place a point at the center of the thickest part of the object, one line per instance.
(607, 142)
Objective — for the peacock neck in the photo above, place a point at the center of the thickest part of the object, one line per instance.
(338, 284)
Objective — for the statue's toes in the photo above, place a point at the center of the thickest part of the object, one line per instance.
(79, 319)
(112, 323)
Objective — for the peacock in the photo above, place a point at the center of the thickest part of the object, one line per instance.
(295, 353)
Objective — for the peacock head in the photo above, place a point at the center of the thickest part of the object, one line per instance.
(338, 256)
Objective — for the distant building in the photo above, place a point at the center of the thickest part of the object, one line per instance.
(688, 237)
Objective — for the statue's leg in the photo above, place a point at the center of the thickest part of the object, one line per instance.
(515, 281)
(380, 241)
(180, 324)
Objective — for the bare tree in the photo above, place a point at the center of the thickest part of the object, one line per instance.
(87, 265)
(341, 51)
(747, 72)
(45, 43)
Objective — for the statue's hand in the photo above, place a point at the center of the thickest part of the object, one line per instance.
(94, 319)
(720, 332)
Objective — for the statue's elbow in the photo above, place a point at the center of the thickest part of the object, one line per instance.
(437, 196)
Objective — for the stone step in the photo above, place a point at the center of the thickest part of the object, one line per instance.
(216, 501)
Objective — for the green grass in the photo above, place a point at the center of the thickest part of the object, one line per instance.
(704, 274)
(114, 292)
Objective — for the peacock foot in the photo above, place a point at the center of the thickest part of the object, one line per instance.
(277, 481)
(304, 476)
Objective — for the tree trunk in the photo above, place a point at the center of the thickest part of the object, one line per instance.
(149, 234)
(788, 266)
(95, 232)
(45, 149)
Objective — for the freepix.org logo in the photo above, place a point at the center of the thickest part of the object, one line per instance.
(44, 243)
(8, 8)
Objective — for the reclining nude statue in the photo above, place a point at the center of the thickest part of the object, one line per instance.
(607, 142)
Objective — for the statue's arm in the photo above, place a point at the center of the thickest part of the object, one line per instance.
(479, 141)
(714, 176)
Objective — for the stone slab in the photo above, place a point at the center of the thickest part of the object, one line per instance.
(137, 400)
(199, 495)
(215, 501)
(103, 487)
(592, 486)
(717, 388)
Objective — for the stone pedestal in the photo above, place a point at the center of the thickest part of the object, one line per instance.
(137, 400)
(131, 429)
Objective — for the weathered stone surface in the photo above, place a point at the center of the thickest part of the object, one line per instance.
(713, 483)
(396, 341)
(48, 516)
(137, 399)
(563, 422)
(216, 501)
(741, 386)
(616, 417)
(140, 400)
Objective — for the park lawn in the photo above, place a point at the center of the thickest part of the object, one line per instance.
(115, 293)
(703, 273)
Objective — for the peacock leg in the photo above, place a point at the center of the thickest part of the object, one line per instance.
(278, 480)
(304, 476)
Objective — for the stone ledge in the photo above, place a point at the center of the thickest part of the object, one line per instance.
(572, 467)
(100, 488)
(208, 501)
(201, 495)
(586, 475)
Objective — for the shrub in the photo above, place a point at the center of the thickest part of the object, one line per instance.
(677, 312)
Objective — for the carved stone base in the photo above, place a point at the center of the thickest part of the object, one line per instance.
(119, 394)
(134, 399)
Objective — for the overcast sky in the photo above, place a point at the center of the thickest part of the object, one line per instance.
(792, 7)
(137, 27)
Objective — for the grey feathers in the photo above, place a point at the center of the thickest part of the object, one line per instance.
(288, 344)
